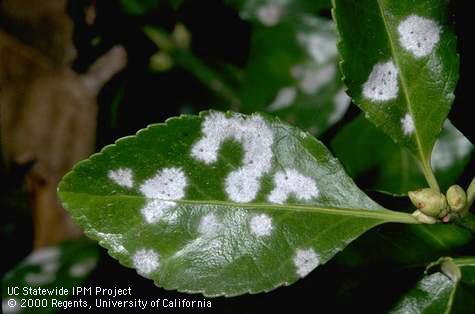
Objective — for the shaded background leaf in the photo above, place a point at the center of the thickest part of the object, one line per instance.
(392, 168)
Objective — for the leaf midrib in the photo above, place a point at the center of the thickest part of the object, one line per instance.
(403, 81)
(382, 214)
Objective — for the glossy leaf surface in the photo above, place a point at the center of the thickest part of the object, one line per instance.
(401, 67)
(397, 171)
(221, 204)
(443, 292)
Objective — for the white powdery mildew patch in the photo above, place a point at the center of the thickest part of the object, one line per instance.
(261, 225)
(285, 97)
(305, 261)
(167, 186)
(322, 48)
(114, 240)
(156, 210)
(122, 177)
(418, 35)
(291, 182)
(256, 137)
(48, 260)
(83, 268)
(314, 78)
(209, 225)
(10, 305)
(146, 261)
(450, 148)
(407, 124)
(341, 101)
(382, 83)
(270, 13)
(43, 256)
(39, 279)
(434, 285)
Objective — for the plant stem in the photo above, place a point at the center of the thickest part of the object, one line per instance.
(470, 195)
(206, 75)
(429, 175)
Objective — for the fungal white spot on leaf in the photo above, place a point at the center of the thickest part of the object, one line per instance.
(305, 261)
(209, 224)
(146, 261)
(167, 184)
(341, 101)
(314, 78)
(382, 83)
(434, 285)
(122, 177)
(39, 279)
(270, 13)
(156, 210)
(43, 256)
(407, 124)
(285, 97)
(162, 190)
(114, 240)
(418, 35)
(83, 268)
(261, 225)
(256, 137)
(452, 146)
(321, 47)
(291, 182)
(48, 260)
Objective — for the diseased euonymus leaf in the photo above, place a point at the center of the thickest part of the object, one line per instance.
(221, 204)
(65, 266)
(395, 169)
(451, 290)
(293, 74)
(400, 65)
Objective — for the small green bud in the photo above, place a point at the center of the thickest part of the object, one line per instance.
(161, 62)
(421, 217)
(429, 202)
(457, 198)
(181, 36)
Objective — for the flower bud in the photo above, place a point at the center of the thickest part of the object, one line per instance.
(421, 217)
(457, 198)
(429, 202)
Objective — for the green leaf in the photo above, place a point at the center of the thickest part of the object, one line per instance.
(406, 245)
(451, 290)
(395, 169)
(65, 266)
(401, 67)
(139, 7)
(305, 88)
(221, 204)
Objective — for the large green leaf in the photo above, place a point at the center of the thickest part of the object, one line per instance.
(452, 290)
(63, 266)
(221, 204)
(395, 169)
(400, 65)
(305, 88)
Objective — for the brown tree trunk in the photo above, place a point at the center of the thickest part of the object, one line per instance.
(47, 111)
